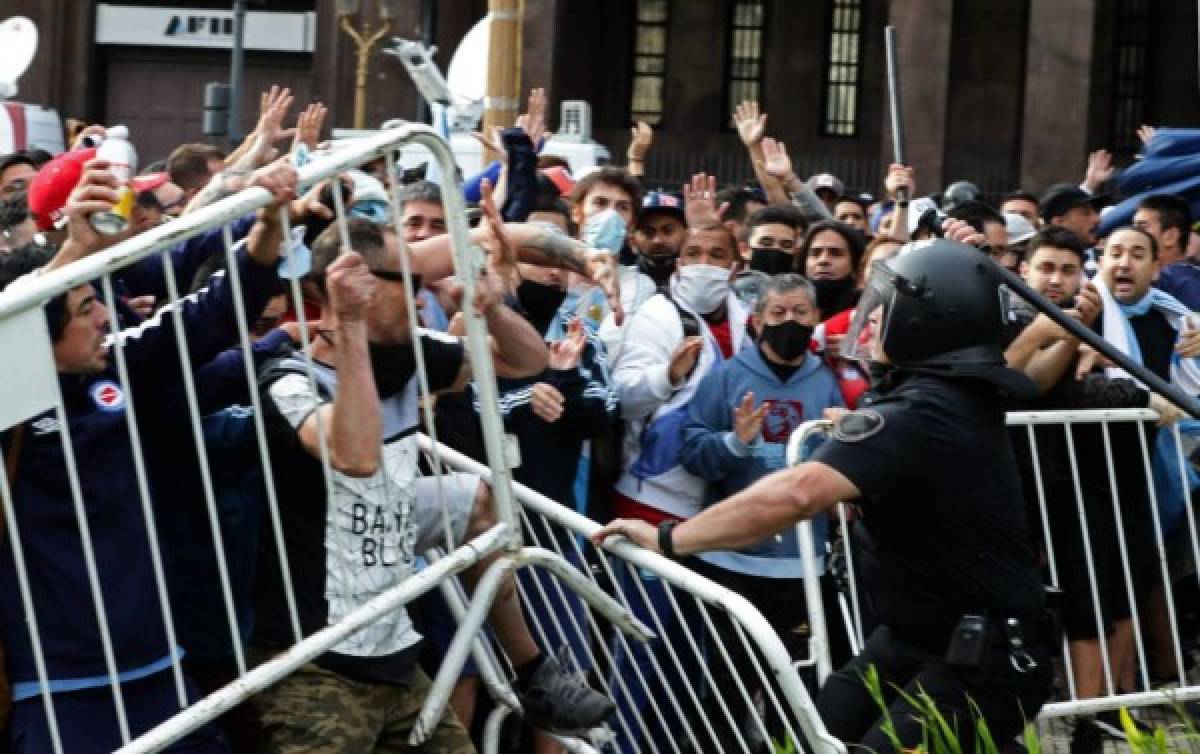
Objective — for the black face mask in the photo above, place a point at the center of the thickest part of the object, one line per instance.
(772, 261)
(657, 267)
(830, 294)
(540, 302)
(788, 339)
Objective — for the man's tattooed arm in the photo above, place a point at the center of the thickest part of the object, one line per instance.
(555, 250)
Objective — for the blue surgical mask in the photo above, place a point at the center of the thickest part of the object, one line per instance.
(605, 230)
(372, 210)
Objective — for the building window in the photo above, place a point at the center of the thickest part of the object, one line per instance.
(842, 68)
(1129, 90)
(745, 53)
(649, 61)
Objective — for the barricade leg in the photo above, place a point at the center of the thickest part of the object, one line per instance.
(666, 671)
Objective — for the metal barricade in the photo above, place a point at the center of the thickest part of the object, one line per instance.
(32, 382)
(1103, 533)
(669, 695)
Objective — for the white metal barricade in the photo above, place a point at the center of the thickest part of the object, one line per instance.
(668, 696)
(690, 690)
(1070, 486)
(31, 381)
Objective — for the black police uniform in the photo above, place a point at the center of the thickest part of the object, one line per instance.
(941, 500)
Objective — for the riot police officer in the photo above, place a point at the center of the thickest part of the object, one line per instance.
(957, 590)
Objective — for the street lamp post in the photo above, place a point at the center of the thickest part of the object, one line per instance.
(365, 38)
(237, 66)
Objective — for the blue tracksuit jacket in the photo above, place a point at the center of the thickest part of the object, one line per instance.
(95, 414)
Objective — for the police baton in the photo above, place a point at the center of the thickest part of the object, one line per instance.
(893, 77)
(1185, 402)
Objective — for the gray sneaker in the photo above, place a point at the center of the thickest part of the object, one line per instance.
(558, 698)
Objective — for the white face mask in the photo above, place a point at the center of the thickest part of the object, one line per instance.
(702, 287)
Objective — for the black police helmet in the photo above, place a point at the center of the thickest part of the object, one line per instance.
(943, 309)
(958, 192)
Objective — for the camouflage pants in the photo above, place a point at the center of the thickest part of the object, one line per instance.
(316, 710)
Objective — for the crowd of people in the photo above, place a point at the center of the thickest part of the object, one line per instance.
(654, 350)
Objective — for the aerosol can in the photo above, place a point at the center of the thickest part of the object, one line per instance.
(122, 160)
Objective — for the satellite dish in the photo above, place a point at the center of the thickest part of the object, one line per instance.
(467, 74)
(18, 39)
(456, 99)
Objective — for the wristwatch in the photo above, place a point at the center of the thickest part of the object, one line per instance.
(665, 544)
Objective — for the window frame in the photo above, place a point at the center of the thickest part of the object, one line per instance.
(1130, 81)
(729, 80)
(636, 115)
(830, 127)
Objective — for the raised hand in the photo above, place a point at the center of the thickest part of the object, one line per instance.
(1099, 170)
(751, 125)
(776, 160)
(748, 420)
(684, 359)
(566, 353)
(489, 292)
(1087, 304)
(961, 231)
(602, 270)
(273, 108)
(700, 202)
(279, 178)
(641, 137)
(350, 285)
(310, 205)
(308, 126)
(493, 142)
(533, 121)
(503, 253)
(899, 178)
(1145, 134)
(95, 192)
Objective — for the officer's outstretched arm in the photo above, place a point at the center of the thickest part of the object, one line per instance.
(766, 507)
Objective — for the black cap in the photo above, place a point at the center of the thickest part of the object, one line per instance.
(1061, 198)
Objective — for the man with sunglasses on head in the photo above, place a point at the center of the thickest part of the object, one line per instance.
(359, 538)
(161, 197)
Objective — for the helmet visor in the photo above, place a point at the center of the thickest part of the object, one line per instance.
(868, 328)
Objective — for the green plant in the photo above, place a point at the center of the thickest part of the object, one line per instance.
(787, 747)
(875, 688)
(940, 736)
(1033, 743)
(1140, 742)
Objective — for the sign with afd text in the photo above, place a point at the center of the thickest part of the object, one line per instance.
(147, 26)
